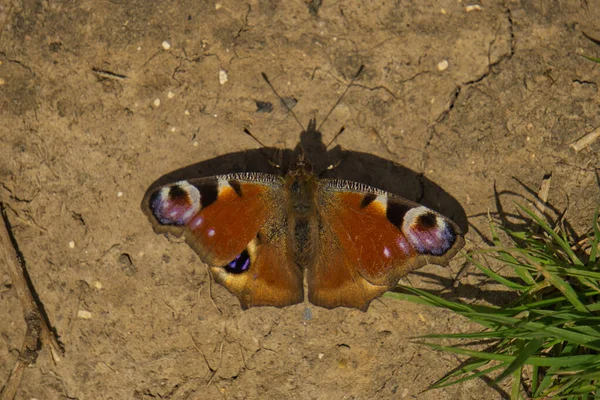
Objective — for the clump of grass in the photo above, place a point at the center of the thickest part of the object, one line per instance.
(552, 329)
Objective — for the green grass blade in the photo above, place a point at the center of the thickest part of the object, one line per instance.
(545, 384)
(445, 381)
(597, 60)
(586, 389)
(535, 379)
(430, 299)
(562, 243)
(564, 288)
(495, 276)
(515, 387)
(517, 364)
(596, 238)
(532, 360)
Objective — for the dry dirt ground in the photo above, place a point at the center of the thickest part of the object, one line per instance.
(84, 135)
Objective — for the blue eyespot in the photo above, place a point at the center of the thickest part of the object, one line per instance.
(239, 264)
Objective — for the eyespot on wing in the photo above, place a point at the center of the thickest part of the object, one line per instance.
(175, 204)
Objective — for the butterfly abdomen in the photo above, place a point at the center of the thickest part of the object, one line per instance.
(302, 218)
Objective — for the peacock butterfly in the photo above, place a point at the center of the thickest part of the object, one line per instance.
(259, 232)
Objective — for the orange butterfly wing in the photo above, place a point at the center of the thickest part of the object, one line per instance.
(369, 239)
(236, 224)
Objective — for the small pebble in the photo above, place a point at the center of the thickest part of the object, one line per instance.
(196, 143)
(473, 7)
(166, 45)
(222, 77)
(218, 6)
(156, 103)
(307, 314)
(321, 355)
(186, 112)
(71, 244)
(170, 95)
(2, 82)
(119, 194)
(442, 65)
(97, 285)
(84, 314)
(173, 129)
(139, 48)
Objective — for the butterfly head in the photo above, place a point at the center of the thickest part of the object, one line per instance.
(301, 166)
(310, 155)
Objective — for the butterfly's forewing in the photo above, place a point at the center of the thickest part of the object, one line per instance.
(235, 224)
(369, 239)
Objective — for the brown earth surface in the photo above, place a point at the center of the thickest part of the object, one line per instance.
(83, 137)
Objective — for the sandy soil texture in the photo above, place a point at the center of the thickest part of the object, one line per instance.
(98, 99)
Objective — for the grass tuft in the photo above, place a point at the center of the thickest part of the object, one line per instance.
(548, 339)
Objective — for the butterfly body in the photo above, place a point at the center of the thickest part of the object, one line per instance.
(262, 233)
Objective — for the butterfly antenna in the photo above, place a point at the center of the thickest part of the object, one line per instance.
(340, 99)
(282, 100)
(271, 162)
(247, 132)
(343, 128)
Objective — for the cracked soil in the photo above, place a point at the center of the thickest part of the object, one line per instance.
(94, 107)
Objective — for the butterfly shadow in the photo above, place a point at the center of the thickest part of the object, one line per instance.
(335, 163)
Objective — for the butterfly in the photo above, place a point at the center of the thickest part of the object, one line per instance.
(263, 234)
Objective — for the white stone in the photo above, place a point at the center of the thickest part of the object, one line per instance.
(473, 7)
(222, 77)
